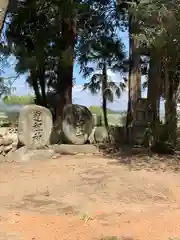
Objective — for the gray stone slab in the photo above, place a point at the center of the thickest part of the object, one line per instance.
(34, 126)
(75, 149)
(24, 154)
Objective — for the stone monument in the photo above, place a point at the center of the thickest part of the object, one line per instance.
(77, 124)
(34, 126)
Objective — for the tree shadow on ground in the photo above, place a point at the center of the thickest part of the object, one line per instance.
(140, 158)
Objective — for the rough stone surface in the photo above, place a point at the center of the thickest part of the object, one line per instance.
(24, 154)
(34, 126)
(75, 149)
(100, 135)
(7, 141)
(14, 138)
(77, 124)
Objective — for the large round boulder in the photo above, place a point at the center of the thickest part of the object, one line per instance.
(77, 123)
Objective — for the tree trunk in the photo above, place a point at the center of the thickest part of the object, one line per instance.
(134, 68)
(104, 101)
(153, 95)
(170, 108)
(65, 71)
(154, 81)
(3, 12)
(35, 88)
(64, 89)
(42, 85)
(134, 81)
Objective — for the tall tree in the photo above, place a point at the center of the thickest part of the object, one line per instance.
(128, 9)
(46, 33)
(105, 53)
(159, 33)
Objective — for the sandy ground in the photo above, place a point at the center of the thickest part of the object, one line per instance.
(84, 198)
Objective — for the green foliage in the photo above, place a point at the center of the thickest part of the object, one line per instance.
(106, 50)
(98, 110)
(105, 53)
(123, 118)
(19, 100)
(42, 36)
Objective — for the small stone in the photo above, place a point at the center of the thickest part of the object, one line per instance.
(56, 155)
(47, 193)
(15, 221)
(13, 137)
(80, 154)
(7, 141)
(7, 148)
(17, 214)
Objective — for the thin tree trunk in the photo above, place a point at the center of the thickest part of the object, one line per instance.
(170, 108)
(104, 101)
(167, 103)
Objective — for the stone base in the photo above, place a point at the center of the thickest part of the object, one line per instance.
(24, 155)
(75, 149)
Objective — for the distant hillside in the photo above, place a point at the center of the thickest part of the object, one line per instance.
(98, 110)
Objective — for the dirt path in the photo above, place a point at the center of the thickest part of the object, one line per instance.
(84, 198)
